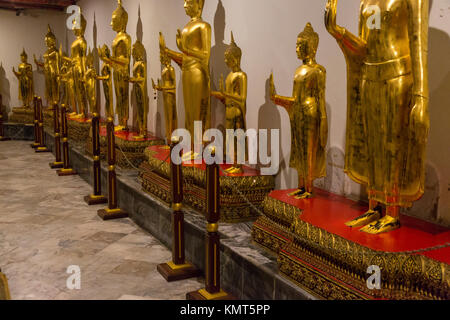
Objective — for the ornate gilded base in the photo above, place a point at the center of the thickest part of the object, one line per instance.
(22, 115)
(172, 272)
(330, 260)
(78, 130)
(107, 214)
(155, 179)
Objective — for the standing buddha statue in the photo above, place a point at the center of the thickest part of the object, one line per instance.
(167, 85)
(25, 77)
(78, 62)
(120, 62)
(106, 78)
(90, 82)
(66, 84)
(139, 81)
(307, 113)
(194, 42)
(388, 129)
(51, 68)
(234, 96)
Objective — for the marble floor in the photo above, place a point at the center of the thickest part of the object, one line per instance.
(45, 227)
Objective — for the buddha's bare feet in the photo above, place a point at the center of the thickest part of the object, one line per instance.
(297, 192)
(234, 170)
(189, 156)
(369, 217)
(385, 224)
(304, 195)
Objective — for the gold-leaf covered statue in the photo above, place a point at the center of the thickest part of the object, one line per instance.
(106, 78)
(78, 63)
(168, 86)
(67, 85)
(139, 81)
(307, 113)
(51, 68)
(234, 96)
(90, 83)
(120, 62)
(194, 42)
(388, 120)
(25, 77)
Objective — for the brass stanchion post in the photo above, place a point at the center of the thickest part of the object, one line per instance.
(57, 132)
(178, 268)
(113, 211)
(212, 289)
(41, 148)
(66, 170)
(96, 197)
(2, 132)
(36, 123)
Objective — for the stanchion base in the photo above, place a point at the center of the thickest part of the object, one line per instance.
(42, 150)
(172, 272)
(94, 200)
(34, 145)
(202, 294)
(111, 214)
(66, 172)
(56, 165)
(4, 139)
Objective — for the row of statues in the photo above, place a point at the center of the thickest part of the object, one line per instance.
(387, 122)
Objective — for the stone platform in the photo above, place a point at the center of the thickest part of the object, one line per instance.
(22, 115)
(247, 271)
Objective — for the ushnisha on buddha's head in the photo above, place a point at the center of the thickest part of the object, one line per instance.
(233, 55)
(307, 43)
(79, 32)
(194, 8)
(119, 18)
(50, 39)
(23, 56)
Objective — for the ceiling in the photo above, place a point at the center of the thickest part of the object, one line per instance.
(35, 4)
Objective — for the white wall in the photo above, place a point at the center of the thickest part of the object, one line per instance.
(266, 30)
(25, 31)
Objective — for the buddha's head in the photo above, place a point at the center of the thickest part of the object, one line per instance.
(194, 8)
(233, 55)
(307, 43)
(138, 51)
(164, 58)
(50, 39)
(105, 51)
(24, 56)
(79, 32)
(119, 18)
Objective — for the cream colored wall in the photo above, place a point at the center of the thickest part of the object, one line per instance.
(266, 30)
(25, 31)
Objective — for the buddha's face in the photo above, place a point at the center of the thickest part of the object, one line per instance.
(231, 61)
(50, 42)
(23, 58)
(192, 7)
(164, 59)
(303, 48)
(116, 24)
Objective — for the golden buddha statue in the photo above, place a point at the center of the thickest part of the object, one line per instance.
(120, 62)
(51, 68)
(106, 78)
(66, 84)
(25, 77)
(234, 96)
(90, 83)
(139, 81)
(167, 84)
(307, 113)
(388, 121)
(194, 42)
(78, 63)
